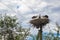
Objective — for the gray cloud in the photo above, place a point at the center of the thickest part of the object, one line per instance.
(56, 9)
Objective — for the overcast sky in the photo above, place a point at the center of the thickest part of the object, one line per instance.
(25, 9)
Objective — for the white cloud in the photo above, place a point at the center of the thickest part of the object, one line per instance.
(50, 27)
(23, 9)
(26, 6)
(34, 31)
(2, 6)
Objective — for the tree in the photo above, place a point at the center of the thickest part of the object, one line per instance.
(10, 36)
(57, 30)
(7, 23)
(39, 23)
(22, 33)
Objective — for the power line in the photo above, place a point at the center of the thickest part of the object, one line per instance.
(8, 7)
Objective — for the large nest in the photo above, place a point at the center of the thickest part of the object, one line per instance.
(39, 22)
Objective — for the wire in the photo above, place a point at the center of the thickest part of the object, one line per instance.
(8, 7)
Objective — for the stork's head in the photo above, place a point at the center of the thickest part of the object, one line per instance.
(45, 17)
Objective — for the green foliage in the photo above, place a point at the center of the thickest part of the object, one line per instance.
(17, 37)
(10, 36)
(8, 21)
(23, 33)
(6, 24)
